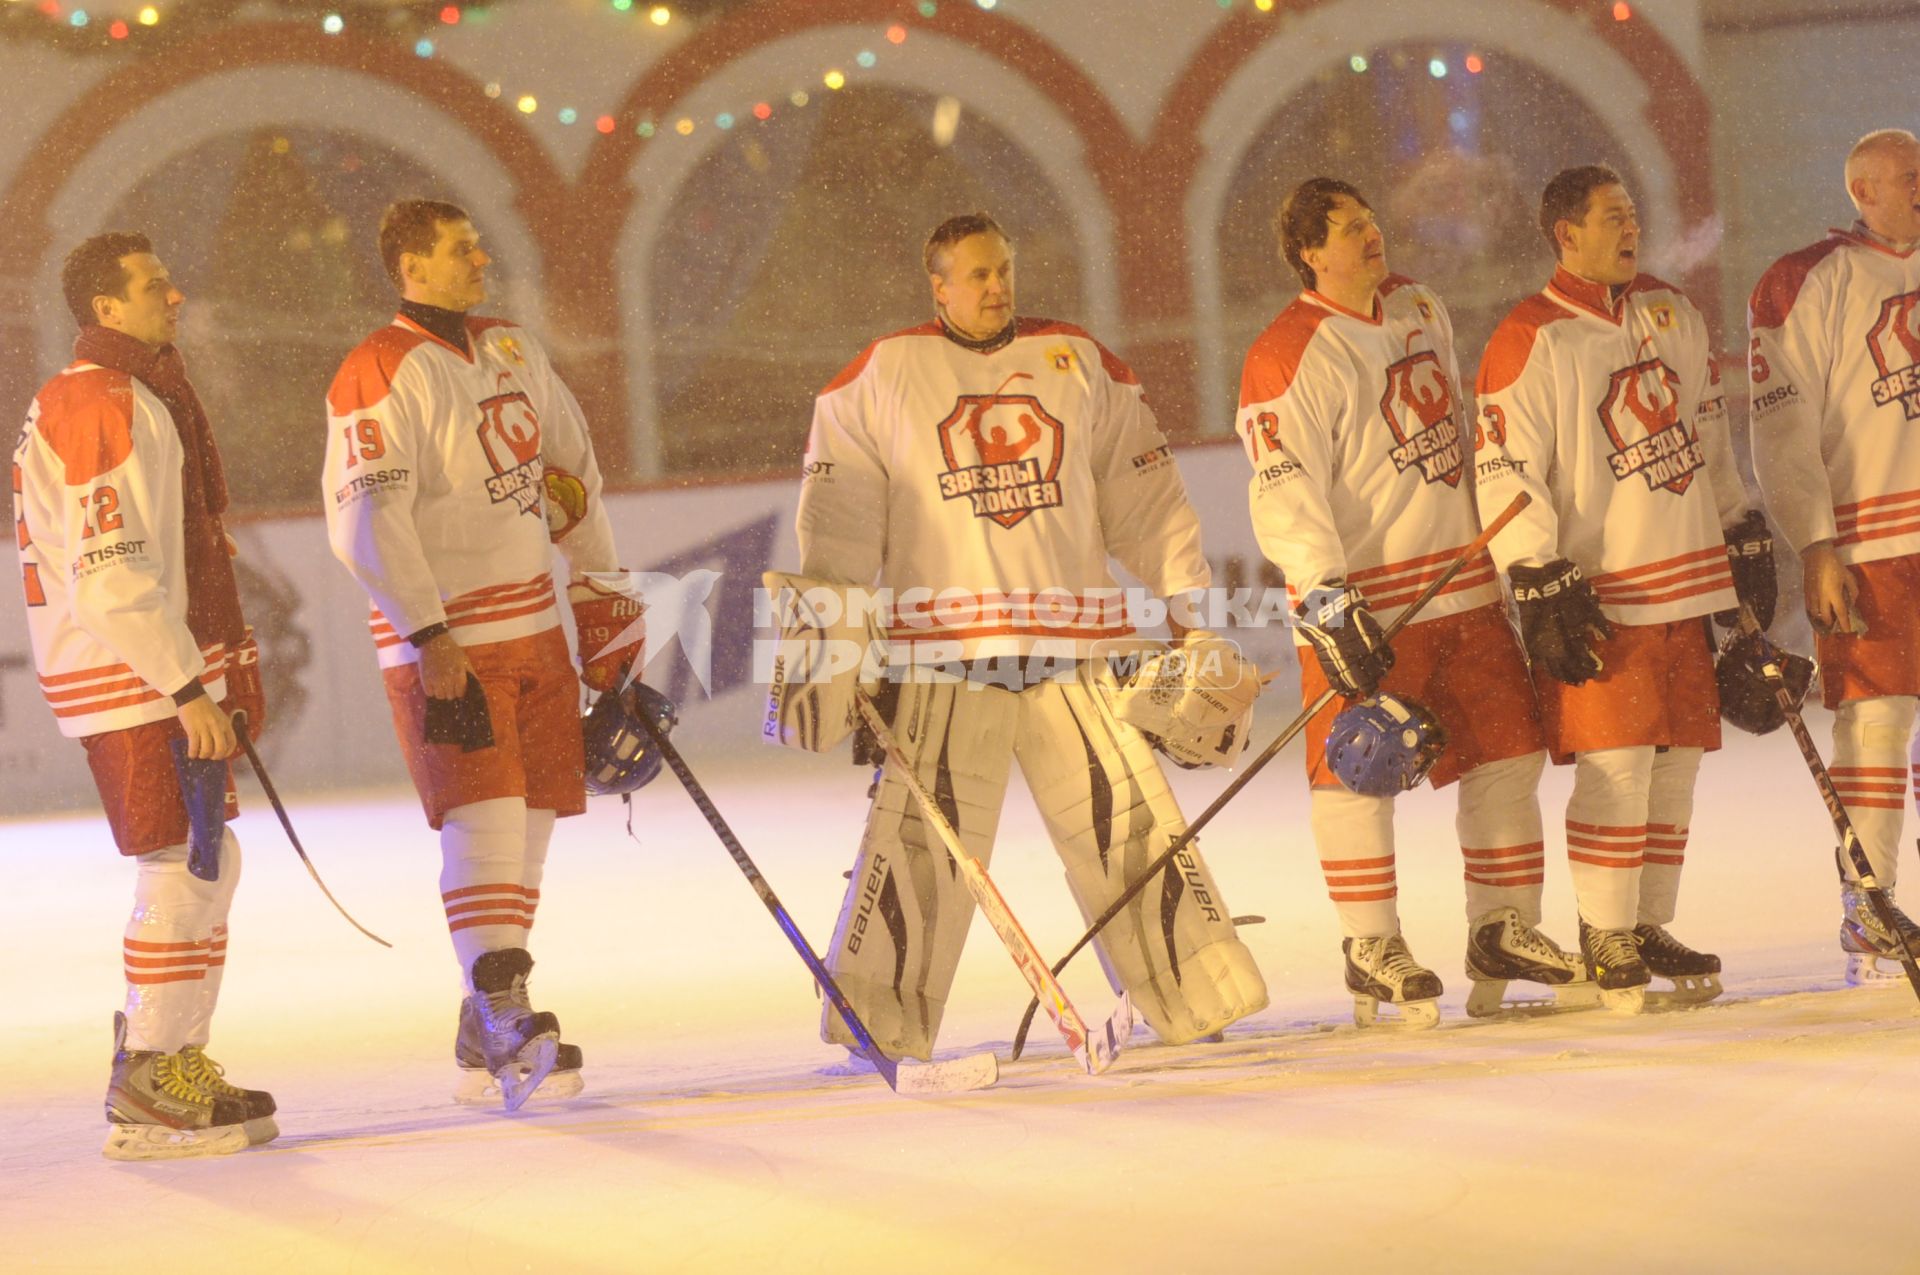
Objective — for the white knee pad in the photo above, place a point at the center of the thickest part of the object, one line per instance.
(483, 887)
(1871, 758)
(1502, 843)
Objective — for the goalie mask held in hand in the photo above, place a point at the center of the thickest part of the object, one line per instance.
(1747, 700)
(1194, 701)
(830, 645)
(621, 756)
(1384, 745)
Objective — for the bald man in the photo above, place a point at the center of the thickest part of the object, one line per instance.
(1836, 396)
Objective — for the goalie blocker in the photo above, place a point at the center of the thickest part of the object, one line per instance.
(830, 646)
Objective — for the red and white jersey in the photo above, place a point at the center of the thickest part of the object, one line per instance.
(1608, 411)
(98, 519)
(1835, 369)
(448, 478)
(987, 491)
(1354, 424)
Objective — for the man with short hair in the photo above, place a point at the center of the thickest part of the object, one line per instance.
(1835, 367)
(456, 460)
(997, 463)
(1362, 493)
(1599, 398)
(138, 638)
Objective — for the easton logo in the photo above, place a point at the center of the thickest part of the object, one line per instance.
(1641, 415)
(1894, 343)
(1002, 453)
(509, 433)
(1419, 408)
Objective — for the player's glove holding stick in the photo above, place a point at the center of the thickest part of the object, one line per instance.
(607, 612)
(1560, 620)
(1349, 643)
(1750, 556)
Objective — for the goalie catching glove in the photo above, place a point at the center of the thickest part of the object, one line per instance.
(1560, 620)
(1193, 702)
(607, 611)
(1349, 642)
(830, 646)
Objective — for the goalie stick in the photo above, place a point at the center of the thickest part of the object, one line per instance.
(1476, 547)
(273, 798)
(1836, 809)
(1096, 1051)
(907, 1076)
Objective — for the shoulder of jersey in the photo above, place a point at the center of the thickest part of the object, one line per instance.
(366, 378)
(851, 372)
(86, 418)
(1513, 341)
(1780, 286)
(1273, 360)
(1398, 291)
(1115, 367)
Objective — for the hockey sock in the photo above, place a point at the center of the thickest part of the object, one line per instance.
(169, 944)
(1354, 836)
(1870, 767)
(1501, 838)
(1669, 811)
(199, 1029)
(483, 848)
(539, 834)
(1607, 833)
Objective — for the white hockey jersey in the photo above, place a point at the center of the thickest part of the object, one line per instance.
(1835, 368)
(449, 476)
(987, 491)
(97, 517)
(1608, 411)
(1354, 424)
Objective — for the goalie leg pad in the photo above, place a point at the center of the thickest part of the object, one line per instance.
(1869, 748)
(1502, 839)
(1109, 812)
(906, 914)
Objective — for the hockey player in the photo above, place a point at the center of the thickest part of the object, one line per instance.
(142, 651)
(1835, 371)
(997, 463)
(1362, 492)
(1598, 397)
(455, 459)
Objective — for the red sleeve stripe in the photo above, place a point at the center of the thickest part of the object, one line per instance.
(214, 653)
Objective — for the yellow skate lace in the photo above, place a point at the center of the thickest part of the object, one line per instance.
(173, 1077)
(207, 1074)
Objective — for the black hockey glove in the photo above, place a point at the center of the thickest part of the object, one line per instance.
(1560, 620)
(1750, 554)
(1349, 642)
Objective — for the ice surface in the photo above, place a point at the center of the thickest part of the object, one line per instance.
(1761, 1133)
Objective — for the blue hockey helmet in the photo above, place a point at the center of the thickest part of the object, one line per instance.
(1383, 745)
(621, 756)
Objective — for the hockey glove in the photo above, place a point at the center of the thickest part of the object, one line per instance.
(465, 722)
(1351, 646)
(1560, 620)
(246, 693)
(608, 615)
(1750, 554)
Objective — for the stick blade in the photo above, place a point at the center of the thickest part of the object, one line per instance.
(953, 1075)
(1104, 1045)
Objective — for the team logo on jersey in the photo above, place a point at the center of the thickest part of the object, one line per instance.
(509, 432)
(1002, 453)
(1894, 343)
(1641, 414)
(1419, 408)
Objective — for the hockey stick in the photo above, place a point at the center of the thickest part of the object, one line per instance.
(1095, 1052)
(908, 1076)
(1473, 550)
(1836, 809)
(279, 808)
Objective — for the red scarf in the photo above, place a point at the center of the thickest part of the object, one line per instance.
(213, 595)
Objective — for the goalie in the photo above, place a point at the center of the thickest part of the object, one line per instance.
(992, 465)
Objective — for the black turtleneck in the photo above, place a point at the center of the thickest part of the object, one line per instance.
(982, 345)
(449, 325)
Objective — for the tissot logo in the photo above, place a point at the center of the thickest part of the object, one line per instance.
(1002, 453)
(1641, 414)
(1894, 343)
(1419, 408)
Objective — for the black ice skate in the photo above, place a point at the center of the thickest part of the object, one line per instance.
(1873, 951)
(1614, 964)
(518, 1046)
(477, 1087)
(212, 1077)
(1503, 948)
(155, 1112)
(1695, 975)
(1381, 971)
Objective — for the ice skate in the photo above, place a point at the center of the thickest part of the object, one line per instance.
(1614, 964)
(1502, 948)
(1382, 971)
(518, 1046)
(477, 1087)
(1873, 951)
(155, 1112)
(1695, 975)
(212, 1077)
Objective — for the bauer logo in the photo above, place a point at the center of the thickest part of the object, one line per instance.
(1002, 453)
(1641, 415)
(1894, 343)
(1420, 410)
